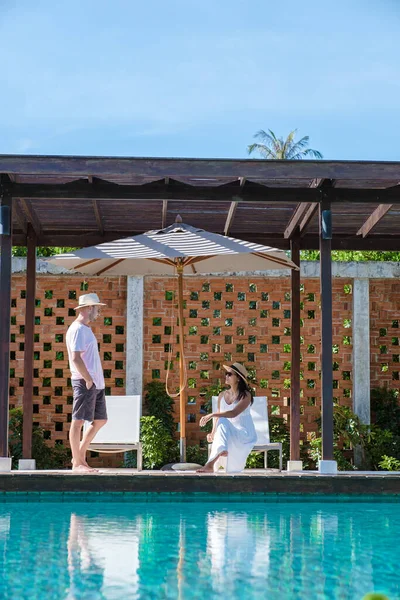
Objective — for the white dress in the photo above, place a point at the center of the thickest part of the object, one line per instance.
(236, 436)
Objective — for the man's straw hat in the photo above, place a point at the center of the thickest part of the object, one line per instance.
(89, 300)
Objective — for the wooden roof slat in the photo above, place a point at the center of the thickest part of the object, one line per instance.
(296, 219)
(31, 216)
(20, 215)
(230, 217)
(97, 215)
(374, 219)
(89, 199)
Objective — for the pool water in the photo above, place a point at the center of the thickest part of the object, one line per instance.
(198, 550)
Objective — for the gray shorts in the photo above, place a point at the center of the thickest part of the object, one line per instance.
(88, 405)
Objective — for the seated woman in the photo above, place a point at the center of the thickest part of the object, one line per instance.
(233, 435)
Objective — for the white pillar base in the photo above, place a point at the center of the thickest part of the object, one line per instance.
(5, 465)
(294, 465)
(328, 467)
(27, 464)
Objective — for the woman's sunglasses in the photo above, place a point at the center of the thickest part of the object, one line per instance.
(228, 373)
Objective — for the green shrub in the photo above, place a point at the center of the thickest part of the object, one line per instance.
(388, 463)
(376, 441)
(158, 446)
(46, 457)
(197, 455)
(158, 404)
(385, 409)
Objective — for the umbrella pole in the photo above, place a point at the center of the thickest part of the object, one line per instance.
(183, 394)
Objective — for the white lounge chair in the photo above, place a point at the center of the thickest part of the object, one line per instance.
(122, 430)
(259, 412)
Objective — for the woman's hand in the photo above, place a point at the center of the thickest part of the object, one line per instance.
(210, 438)
(204, 420)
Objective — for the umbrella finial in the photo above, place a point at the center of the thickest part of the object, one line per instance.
(178, 219)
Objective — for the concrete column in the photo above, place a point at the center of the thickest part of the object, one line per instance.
(134, 336)
(361, 350)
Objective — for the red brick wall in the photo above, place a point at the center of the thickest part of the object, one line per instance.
(385, 332)
(247, 320)
(226, 320)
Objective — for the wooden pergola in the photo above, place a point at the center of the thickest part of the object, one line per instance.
(81, 201)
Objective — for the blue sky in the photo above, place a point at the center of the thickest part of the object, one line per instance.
(198, 78)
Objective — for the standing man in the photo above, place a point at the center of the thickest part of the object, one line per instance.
(89, 403)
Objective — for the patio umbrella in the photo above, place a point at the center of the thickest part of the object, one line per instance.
(169, 251)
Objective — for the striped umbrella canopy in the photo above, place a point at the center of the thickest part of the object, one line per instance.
(170, 251)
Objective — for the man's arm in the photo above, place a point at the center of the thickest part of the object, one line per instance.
(79, 365)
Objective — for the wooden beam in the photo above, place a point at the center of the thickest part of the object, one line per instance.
(308, 217)
(374, 219)
(5, 314)
(191, 193)
(309, 242)
(107, 167)
(164, 214)
(230, 217)
(326, 340)
(99, 220)
(29, 345)
(180, 191)
(20, 215)
(164, 207)
(295, 357)
(31, 216)
(304, 212)
(296, 219)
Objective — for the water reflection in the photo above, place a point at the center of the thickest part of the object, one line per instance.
(198, 550)
(103, 556)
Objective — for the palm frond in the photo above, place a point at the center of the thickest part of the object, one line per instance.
(288, 144)
(265, 137)
(279, 149)
(262, 149)
(314, 153)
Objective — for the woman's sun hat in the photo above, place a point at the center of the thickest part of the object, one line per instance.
(89, 300)
(239, 369)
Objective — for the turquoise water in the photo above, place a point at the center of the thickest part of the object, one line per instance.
(198, 550)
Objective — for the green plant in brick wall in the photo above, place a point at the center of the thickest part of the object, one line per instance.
(158, 404)
(157, 444)
(45, 456)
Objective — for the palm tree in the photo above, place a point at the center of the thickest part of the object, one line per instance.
(274, 148)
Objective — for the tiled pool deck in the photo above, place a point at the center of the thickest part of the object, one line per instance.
(130, 483)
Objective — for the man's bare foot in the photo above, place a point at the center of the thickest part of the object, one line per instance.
(83, 463)
(83, 469)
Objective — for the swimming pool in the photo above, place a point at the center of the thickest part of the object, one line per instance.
(198, 550)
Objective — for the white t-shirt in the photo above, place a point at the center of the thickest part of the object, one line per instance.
(80, 338)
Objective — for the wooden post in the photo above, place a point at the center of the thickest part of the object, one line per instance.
(182, 387)
(326, 336)
(5, 316)
(29, 337)
(295, 357)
